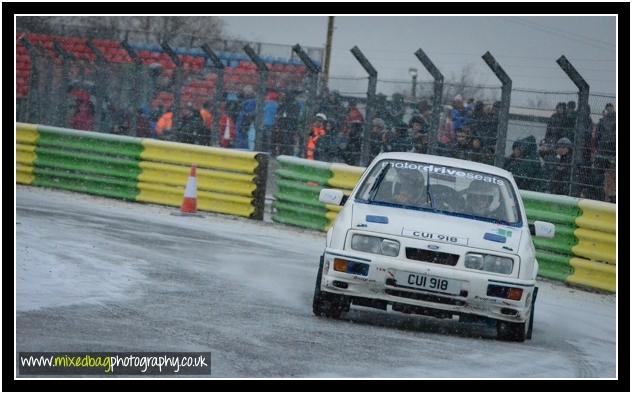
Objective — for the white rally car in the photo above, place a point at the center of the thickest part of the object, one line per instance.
(434, 236)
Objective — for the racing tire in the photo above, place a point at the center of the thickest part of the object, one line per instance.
(324, 303)
(513, 332)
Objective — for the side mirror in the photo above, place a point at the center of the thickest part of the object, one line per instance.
(331, 196)
(542, 229)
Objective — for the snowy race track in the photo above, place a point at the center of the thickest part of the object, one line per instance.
(94, 274)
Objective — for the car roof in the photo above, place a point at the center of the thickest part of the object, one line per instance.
(445, 161)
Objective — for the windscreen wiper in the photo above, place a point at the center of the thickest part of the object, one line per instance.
(378, 180)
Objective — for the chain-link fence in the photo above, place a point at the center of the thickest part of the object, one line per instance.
(269, 100)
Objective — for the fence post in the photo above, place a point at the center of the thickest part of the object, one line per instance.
(313, 69)
(503, 115)
(580, 126)
(100, 88)
(370, 101)
(136, 89)
(219, 93)
(34, 101)
(177, 87)
(61, 118)
(436, 99)
(261, 91)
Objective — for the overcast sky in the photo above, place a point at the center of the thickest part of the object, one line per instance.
(526, 47)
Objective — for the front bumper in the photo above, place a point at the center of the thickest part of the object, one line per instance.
(379, 285)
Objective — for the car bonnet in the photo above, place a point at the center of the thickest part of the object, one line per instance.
(436, 228)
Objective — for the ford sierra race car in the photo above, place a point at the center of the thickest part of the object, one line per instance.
(434, 236)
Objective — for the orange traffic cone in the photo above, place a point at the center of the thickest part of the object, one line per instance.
(189, 202)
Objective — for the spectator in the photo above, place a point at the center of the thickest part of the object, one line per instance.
(352, 130)
(191, 129)
(317, 131)
(83, 118)
(143, 122)
(524, 164)
(246, 119)
(418, 134)
(560, 168)
(482, 126)
(205, 113)
(164, 125)
(381, 108)
(332, 145)
(446, 136)
(331, 105)
(605, 151)
(469, 108)
(479, 152)
(610, 184)
(286, 131)
(270, 109)
(606, 136)
(396, 111)
(463, 142)
(399, 141)
(556, 128)
(458, 114)
(377, 138)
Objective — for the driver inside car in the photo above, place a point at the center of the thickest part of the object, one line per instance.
(410, 187)
(480, 196)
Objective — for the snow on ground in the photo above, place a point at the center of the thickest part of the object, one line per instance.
(95, 274)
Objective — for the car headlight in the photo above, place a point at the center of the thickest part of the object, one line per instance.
(474, 261)
(377, 245)
(489, 263)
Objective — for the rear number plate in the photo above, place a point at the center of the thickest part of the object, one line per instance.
(427, 282)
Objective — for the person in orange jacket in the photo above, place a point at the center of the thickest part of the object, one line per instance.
(206, 115)
(164, 124)
(318, 130)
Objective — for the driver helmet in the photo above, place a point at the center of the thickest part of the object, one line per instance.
(480, 196)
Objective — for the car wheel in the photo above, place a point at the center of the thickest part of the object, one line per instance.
(324, 303)
(514, 332)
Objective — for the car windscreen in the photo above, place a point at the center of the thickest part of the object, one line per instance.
(444, 189)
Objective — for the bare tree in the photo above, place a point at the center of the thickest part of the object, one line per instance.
(176, 30)
(463, 84)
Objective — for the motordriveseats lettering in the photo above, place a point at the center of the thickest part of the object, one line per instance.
(448, 171)
(420, 234)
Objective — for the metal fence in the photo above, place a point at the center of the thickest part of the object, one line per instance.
(277, 103)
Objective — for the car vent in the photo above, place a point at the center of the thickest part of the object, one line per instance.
(430, 256)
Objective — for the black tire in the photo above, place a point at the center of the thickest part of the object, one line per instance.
(514, 332)
(530, 329)
(324, 303)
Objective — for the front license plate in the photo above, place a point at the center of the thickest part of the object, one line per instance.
(427, 282)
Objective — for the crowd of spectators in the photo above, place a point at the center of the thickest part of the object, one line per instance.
(466, 130)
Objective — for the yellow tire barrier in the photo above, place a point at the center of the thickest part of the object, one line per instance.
(593, 274)
(344, 176)
(203, 156)
(597, 215)
(208, 180)
(137, 169)
(595, 245)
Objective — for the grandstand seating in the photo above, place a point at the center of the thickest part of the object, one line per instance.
(200, 85)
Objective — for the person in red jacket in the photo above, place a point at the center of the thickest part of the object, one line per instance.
(83, 118)
(318, 130)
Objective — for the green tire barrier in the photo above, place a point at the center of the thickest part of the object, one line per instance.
(299, 182)
(582, 253)
(140, 169)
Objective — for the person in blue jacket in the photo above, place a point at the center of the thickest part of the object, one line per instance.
(246, 119)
